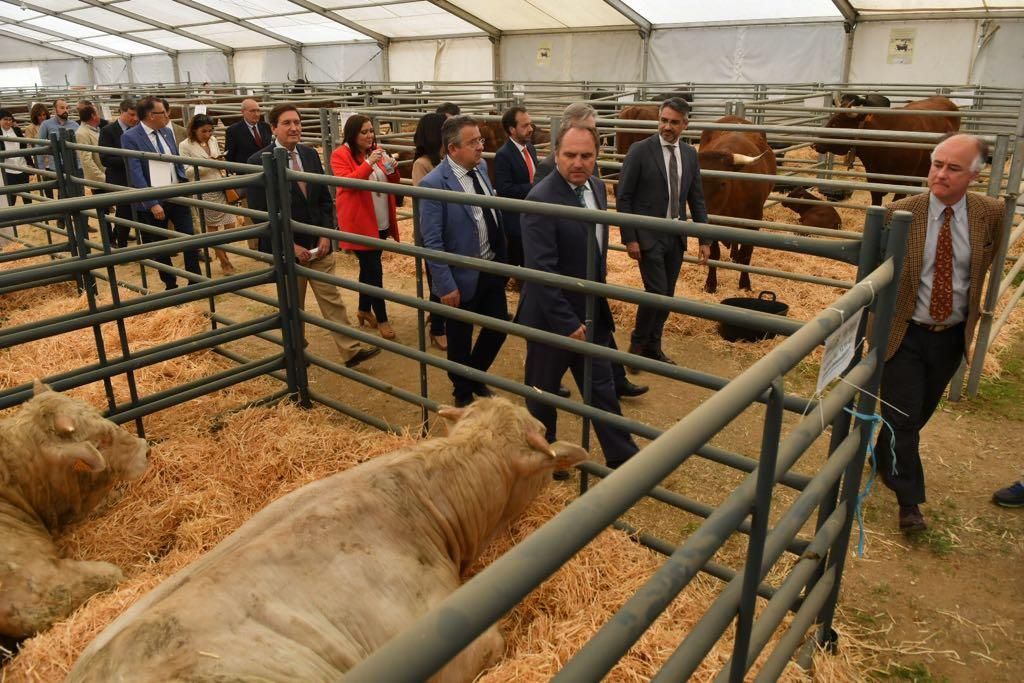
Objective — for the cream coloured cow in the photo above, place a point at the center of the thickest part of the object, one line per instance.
(319, 579)
(58, 459)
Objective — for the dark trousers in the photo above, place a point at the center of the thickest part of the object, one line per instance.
(545, 366)
(122, 232)
(436, 320)
(515, 247)
(12, 178)
(488, 300)
(181, 217)
(659, 268)
(914, 380)
(371, 272)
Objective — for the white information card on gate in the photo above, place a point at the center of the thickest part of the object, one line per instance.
(839, 349)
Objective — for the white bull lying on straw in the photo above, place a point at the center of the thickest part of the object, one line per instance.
(58, 459)
(319, 579)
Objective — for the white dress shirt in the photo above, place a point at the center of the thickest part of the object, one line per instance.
(159, 167)
(462, 175)
(11, 143)
(961, 262)
(666, 151)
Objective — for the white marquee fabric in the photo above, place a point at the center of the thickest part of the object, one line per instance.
(48, 42)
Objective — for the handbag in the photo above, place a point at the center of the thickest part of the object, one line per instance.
(231, 196)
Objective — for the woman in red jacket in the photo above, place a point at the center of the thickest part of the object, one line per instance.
(362, 212)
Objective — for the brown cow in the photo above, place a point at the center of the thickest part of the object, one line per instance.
(740, 152)
(816, 215)
(321, 578)
(58, 459)
(890, 160)
(636, 112)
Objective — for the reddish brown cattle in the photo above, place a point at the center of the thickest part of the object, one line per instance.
(637, 112)
(816, 215)
(740, 152)
(891, 160)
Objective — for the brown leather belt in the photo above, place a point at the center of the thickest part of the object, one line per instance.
(935, 328)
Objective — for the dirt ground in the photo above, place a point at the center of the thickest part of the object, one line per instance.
(944, 606)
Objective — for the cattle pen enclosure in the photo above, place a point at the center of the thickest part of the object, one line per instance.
(805, 594)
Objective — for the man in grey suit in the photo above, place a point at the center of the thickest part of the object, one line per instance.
(660, 177)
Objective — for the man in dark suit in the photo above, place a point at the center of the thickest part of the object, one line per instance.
(11, 139)
(114, 168)
(310, 203)
(950, 245)
(577, 112)
(514, 167)
(153, 135)
(244, 138)
(560, 245)
(468, 231)
(660, 177)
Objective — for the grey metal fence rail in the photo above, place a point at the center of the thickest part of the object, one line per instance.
(809, 591)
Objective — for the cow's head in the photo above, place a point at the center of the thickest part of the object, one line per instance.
(519, 437)
(72, 434)
(717, 190)
(798, 193)
(841, 119)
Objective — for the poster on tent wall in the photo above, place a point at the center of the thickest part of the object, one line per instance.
(901, 45)
(544, 55)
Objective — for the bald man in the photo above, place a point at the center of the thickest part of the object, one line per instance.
(244, 138)
(952, 238)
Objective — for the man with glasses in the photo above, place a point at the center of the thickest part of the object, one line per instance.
(152, 135)
(467, 231)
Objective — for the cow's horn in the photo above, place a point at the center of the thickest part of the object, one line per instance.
(449, 413)
(539, 443)
(744, 160)
(63, 424)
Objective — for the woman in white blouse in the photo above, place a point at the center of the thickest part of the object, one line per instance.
(201, 144)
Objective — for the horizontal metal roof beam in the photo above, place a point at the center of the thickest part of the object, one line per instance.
(944, 15)
(199, 7)
(338, 19)
(625, 10)
(87, 24)
(490, 30)
(112, 7)
(848, 11)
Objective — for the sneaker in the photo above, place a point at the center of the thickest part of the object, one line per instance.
(1010, 497)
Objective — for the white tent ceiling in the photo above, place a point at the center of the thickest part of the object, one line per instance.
(104, 28)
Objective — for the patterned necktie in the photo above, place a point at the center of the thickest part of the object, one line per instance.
(529, 162)
(673, 182)
(295, 167)
(489, 219)
(256, 136)
(579, 196)
(942, 277)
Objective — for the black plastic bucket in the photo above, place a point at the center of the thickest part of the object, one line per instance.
(765, 302)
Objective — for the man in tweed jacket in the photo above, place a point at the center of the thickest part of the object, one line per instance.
(952, 238)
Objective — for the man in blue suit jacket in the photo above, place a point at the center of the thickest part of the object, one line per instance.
(152, 135)
(467, 231)
(514, 167)
(559, 245)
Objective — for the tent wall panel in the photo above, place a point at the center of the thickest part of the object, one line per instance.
(111, 70)
(453, 59)
(259, 66)
(154, 69)
(12, 49)
(77, 71)
(356, 62)
(601, 56)
(770, 53)
(1000, 62)
(202, 67)
(941, 52)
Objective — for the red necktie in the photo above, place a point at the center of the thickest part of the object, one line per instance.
(529, 162)
(256, 136)
(942, 277)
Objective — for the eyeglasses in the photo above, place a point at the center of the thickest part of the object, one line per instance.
(474, 142)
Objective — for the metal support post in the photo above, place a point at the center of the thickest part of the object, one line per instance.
(995, 277)
(421, 318)
(326, 132)
(883, 307)
(279, 215)
(752, 574)
(588, 361)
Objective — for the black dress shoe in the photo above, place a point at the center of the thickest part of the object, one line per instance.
(658, 354)
(462, 401)
(483, 391)
(911, 520)
(629, 390)
(561, 475)
(562, 391)
(362, 355)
